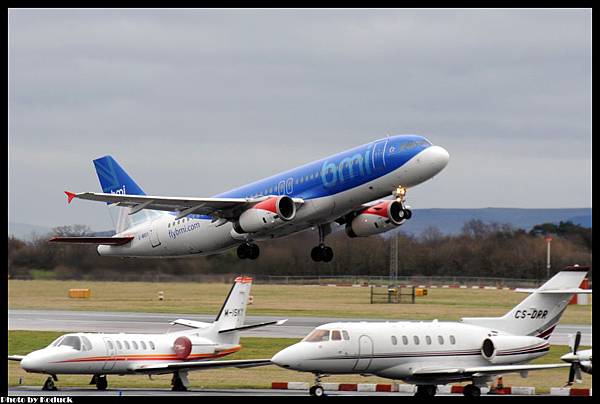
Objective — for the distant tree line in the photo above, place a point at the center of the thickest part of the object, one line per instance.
(480, 249)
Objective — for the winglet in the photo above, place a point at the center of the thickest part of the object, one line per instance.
(70, 196)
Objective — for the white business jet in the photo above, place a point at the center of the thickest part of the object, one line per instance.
(432, 353)
(178, 352)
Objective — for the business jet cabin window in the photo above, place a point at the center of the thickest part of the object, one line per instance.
(336, 335)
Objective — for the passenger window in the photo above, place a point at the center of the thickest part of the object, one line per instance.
(72, 341)
(126, 345)
(428, 339)
(110, 345)
(394, 340)
(404, 340)
(416, 339)
(119, 345)
(143, 344)
(345, 335)
(441, 340)
(318, 336)
(452, 340)
(87, 345)
(336, 335)
(135, 345)
(151, 344)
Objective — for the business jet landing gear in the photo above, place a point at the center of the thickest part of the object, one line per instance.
(400, 194)
(179, 381)
(470, 390)
(248, 250)
(426, 390)
(322, 252)
(49, 383)
(317, 390)
(100, 382)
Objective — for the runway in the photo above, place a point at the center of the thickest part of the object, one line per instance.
(70, 392)
(112, 322)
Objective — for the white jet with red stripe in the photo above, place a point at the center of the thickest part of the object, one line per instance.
(178, 352)
(431, 353)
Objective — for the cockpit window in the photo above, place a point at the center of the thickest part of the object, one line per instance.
(336, 335)
(87, 345)
(56, 341)
(318, 336)
(72, 341)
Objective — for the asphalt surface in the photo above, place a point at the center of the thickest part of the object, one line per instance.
(112, 322)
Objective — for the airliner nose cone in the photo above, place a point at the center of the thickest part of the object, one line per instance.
(284, 358)
(436, 158)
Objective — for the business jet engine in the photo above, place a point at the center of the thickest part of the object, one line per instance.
(184, 345)
(502, 349)
(376, 219)
(266, 215)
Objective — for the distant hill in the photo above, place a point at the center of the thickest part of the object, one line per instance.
(451, 221)
(448, 221)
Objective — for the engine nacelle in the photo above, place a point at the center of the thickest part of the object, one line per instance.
(266, 215)
(376, 219)
(184, 346)
(503, 349)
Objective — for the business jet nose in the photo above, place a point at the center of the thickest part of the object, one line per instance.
(286, 358)
(29, 363)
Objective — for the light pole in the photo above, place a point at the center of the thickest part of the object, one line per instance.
(548, 241)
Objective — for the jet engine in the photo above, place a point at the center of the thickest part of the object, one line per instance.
(266, 214)
(376, 219)
(184, 345)
(503, 349)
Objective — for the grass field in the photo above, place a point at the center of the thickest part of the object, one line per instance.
(281, 300)
(22, 342)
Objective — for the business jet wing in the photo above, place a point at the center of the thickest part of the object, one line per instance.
(17, 358)
(200, 365)
(226, 208)
(483, 370)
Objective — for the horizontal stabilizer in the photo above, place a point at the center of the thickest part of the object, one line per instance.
(190, 323)
(92, 240)
(555, 291)
(248, 327)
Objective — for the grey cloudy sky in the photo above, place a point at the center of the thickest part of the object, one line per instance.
(195, 102)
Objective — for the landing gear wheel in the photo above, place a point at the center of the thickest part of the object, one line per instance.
(49, 384)
(254, 251)
(317, 391)
(470, 390)
(426, 390)
(407, 214)
(177, 384)
(101, 383)
(315, 254)
(327, 254)
(242, 251)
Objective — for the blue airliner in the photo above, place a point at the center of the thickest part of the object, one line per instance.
(344, 189)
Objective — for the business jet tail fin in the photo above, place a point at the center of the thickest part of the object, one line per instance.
(539, 313)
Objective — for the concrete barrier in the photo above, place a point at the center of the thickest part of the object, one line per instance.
(569, 391)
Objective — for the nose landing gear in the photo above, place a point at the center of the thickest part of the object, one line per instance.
(400, 194)
(49, 383)
(317, 390)
(322, 253)
(248, 250)
(100, 382)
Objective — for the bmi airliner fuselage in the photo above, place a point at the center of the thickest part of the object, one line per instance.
(345, 188)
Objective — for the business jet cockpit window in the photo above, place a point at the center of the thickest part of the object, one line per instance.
(56, 341)
(72, 341)
(317, 336)
(336, 335)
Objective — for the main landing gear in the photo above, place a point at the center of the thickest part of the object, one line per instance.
(100, 382)
(470, 390)
(426, 390)
(179, 382)
(400, 194)
(317, 390)
(322, 252)
(49, 383)
(248, 250)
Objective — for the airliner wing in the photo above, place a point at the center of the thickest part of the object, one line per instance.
(226, 208)
(483, 370)
(200, 365)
